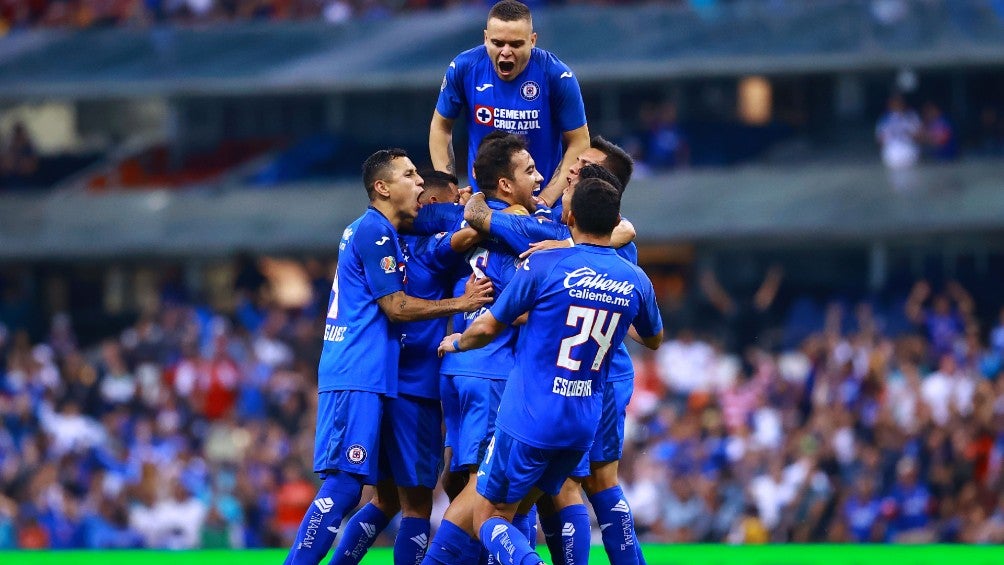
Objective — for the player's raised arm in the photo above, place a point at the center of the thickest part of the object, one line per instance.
(441, 143)
(575, 142)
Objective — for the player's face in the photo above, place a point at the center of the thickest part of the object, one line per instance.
(509, 45)
(526, 180)
(590, 156)
(405, 185)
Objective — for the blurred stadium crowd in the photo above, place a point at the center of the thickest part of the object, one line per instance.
(20, 14)
(802, 420)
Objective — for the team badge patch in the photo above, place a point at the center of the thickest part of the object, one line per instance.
(484, 115)
(388, 264)
(529, 91)
(356, 454)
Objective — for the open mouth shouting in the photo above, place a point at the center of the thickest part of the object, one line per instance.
(506, 68)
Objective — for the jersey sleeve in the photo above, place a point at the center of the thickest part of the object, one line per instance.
(566, 97)
(437, 218)
(451, 94)
(382, 261)
(518, 231)
(629, 252)
(436, 253)
(648, 321)
(521, 292)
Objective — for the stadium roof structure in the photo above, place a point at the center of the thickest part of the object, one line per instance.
(801, 206)
(602, 44)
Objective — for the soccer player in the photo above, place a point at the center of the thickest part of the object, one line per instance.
(600, 477)
(472, 383)
(509, 84)
(581, 300)
(412, 423)
(358, 370)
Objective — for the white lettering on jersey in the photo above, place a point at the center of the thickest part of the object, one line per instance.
(566, 387)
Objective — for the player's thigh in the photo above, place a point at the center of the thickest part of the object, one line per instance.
(412, 441)
(608, 445)
(348, 432)
(479, 402)
(511, 469)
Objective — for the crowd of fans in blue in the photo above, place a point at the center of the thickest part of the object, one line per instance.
(805, 421)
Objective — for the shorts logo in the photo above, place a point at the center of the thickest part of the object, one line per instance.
(356, 454)
(529, 91)
(324, 504)
(388, 264)
(484, 115)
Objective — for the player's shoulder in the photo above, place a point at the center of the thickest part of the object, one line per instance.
(373, 225)
(470, 57)
(550, 63)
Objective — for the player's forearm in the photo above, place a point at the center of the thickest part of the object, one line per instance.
(464, 239)
(622, 235)
(576, 142)
(480, 333)
(478, 214)
(441, 145)
(411, 309)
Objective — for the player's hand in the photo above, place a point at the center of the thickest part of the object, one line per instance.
(446, 346)
(477, 293)
(542, 245)
(465, 194)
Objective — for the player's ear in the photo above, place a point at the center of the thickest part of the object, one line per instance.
(533, 39)
(381, 188)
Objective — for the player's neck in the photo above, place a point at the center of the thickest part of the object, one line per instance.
(388, 212)
(581, 238)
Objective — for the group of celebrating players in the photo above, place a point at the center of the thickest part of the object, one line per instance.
(540, 286)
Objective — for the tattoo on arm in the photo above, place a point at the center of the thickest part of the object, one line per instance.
(479, 215)
(452, 165)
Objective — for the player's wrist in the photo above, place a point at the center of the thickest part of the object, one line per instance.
(456, 345)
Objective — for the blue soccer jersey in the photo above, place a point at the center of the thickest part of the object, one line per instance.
(492, 259)
(581, 302)
(432, 266)
(541, 103)
(518, 232)
(361, 345)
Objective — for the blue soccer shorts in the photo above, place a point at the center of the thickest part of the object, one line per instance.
(348, 433)
(608, 445)
(470, 405)
(412, 441)
(512, 468)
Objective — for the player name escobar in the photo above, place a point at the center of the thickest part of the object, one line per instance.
(566, 387)
(586, 284)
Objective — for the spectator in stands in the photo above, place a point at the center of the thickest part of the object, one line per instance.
(898, 133)
(938, 135)
(666, 145)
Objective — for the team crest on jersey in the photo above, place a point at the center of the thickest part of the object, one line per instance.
(356, 454)
(529, 91)
(484, 115)
(388, 264)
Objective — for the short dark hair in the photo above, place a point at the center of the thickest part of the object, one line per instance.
(438, 179)
(593, 171)
(437, 183)
(510, 11)
(596, 205)
(376, 164)
(494, 134)
(617, 161)
(494, 162)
